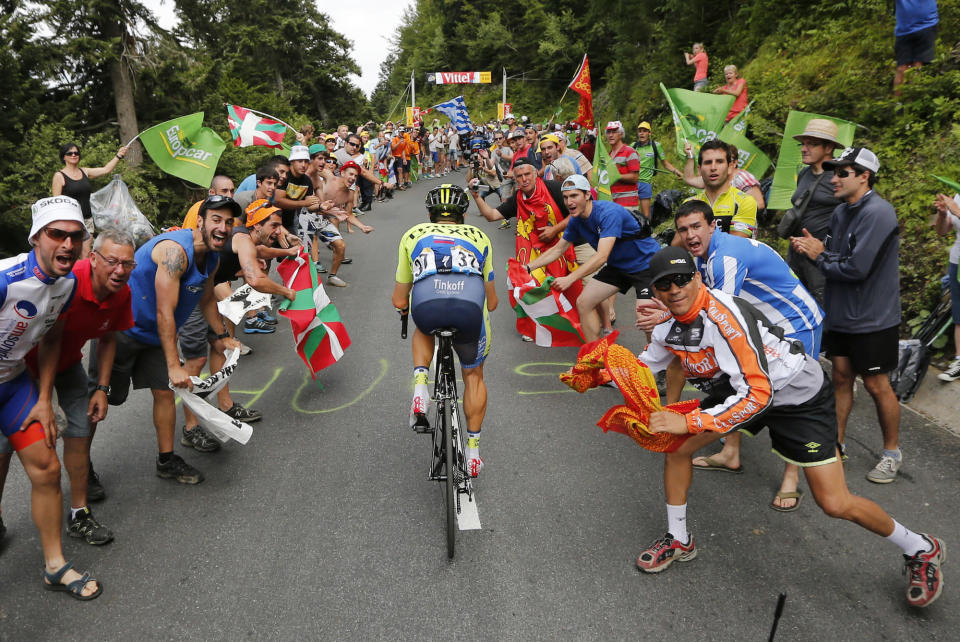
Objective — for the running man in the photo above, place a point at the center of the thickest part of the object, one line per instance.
(754, 377)
(35, 289)
(448, 267)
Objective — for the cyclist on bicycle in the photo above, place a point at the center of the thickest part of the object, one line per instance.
(445, 273)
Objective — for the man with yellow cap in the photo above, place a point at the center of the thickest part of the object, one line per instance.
(650, 153)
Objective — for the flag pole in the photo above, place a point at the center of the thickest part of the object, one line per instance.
(133, 139)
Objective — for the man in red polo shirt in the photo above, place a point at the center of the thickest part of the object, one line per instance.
(100, 307)
(624, 191)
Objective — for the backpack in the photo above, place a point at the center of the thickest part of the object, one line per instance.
(911, 368)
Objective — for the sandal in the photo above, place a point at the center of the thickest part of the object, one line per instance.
(51, 582)
(782, 495)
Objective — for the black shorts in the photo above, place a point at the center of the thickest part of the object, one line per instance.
(142, 363)
(871, 353)
(623, 281)
(804, 434)
(916, 47)
(195, 336)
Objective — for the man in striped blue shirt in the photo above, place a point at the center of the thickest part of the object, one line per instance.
(755, 272)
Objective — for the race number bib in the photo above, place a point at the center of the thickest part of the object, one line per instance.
(424, 264)
(464, 260)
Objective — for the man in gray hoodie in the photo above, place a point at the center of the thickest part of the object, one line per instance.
(862, 298)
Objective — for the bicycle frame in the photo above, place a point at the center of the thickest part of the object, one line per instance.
(445, 393)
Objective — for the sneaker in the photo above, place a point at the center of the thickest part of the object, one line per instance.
(180, 470)
(320, 268)
(246, 415)
(95, 490)
(885, 471)
(504, 225)
(925, 582)
(664, 552)
(255, 325)
(200, 440)
(244, 349)
(475, 465)
(952, 373)
(346, 261)
(266, 317)
(92, 531)
(335, 280)
(419, 406)
(526, 339)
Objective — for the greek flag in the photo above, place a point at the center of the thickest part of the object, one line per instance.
(456, 111)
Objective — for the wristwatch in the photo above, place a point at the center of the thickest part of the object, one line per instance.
(105, 389)
(223, 335)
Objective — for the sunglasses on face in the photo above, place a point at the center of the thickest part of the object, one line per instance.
(679, 280)
(73, 153)
(59, 235)
(843, 173)
(114, 262)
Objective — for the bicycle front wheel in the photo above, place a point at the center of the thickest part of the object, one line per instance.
(451, 487)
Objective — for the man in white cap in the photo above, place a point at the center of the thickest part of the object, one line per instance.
(624, 190)
(35, 288)
(296, 191)
(862, 297)
(623, 252)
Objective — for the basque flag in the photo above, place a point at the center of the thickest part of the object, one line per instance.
(248, 128)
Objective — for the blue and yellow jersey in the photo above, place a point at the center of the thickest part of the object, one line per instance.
(442, 248)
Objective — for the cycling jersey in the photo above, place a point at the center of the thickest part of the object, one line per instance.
(737, 357)
(754, 271)
(30, 303)
(436, 248)
(733, 210)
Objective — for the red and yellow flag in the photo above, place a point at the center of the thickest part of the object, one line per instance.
(581, 85)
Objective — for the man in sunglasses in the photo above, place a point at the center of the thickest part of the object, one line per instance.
(99, 309)
(173, 277)
(622, 258)
(754, 271)
(35, 289)
(352, 150)
(862, 296)
(754, 377)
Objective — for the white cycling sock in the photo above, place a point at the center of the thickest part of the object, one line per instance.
(677, 522)
(473, 444)
(909, 542)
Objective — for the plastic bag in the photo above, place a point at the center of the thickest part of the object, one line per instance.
(113, 207)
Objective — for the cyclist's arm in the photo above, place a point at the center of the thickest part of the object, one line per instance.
(492, 299)
(401, 295)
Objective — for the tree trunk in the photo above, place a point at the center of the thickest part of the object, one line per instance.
(126, 111)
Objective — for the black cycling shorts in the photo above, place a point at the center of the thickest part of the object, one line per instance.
(623, 281)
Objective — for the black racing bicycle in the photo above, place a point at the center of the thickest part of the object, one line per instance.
(448, 461)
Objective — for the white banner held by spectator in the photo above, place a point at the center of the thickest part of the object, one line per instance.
(240, 301)
(217, 423)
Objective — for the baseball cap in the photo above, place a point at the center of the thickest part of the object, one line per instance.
(524, 119)
(644, 125)
(551, 137)
(575, 181)
(317, 147)
(329, 137)
(258, 210)
(55, 208)
(350, 164)
(516, 133)
(299, 152)
(218, 202)
(821, 128)
(614, 124)
(855, 156)
(509, 116)
(670, 260)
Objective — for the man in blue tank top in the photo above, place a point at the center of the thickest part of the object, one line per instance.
(172, 277)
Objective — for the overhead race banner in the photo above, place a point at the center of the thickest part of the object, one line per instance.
(459, 77)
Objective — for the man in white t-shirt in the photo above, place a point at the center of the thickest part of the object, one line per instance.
(453, 142)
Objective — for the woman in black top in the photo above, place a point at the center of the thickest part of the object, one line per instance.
(74, 181)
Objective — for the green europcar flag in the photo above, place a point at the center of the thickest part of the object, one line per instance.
(955, 186)
(789, 161)
(697, 117)
(750, 157)
(185, 148)
(605, 172)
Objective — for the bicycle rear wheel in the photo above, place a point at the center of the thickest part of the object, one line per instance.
(451, 486)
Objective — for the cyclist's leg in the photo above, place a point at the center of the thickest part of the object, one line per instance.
(474, 398)
(422, 349)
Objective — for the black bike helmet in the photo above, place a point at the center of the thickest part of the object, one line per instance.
(448, 201)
